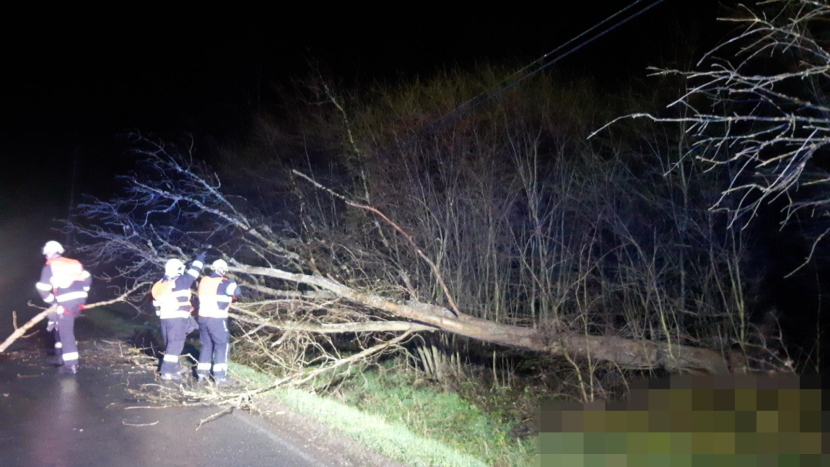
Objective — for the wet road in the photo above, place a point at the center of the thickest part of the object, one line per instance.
(47, 420)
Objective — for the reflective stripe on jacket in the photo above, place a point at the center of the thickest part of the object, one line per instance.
(64, 281)
(171, 296)
(170, 302)
(215, 295)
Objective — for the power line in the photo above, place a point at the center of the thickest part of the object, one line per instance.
(560, 57)
(543, 57)
(500, 88)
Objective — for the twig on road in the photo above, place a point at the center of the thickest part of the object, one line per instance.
(214, 417)
(150, 407)
(139, 424)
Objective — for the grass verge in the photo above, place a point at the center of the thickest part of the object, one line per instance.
(383, 410)
(416, 426)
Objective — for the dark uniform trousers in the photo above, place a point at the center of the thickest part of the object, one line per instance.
(215, 338)
(58, 344)
(65, 335)
(174, 332)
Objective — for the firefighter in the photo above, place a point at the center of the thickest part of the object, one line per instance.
(216, 292)
(64, 283)
(171, 300)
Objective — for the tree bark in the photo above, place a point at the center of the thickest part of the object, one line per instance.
(368, 326)
(627, 353)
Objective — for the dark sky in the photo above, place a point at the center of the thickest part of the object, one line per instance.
(71, 85)
(184, 74)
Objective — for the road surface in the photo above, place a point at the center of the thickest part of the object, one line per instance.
(51, 420)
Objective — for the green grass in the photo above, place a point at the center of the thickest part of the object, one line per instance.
(382, 410)
(438, 414)
(421, 426)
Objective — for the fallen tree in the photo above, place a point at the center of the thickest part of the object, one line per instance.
(626, 353)
(178, 209)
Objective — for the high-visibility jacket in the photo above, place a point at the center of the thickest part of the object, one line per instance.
(65, 282)
(216, 292)
(171, 295)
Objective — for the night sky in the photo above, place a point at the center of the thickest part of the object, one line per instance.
(197, 75)
(72, 84)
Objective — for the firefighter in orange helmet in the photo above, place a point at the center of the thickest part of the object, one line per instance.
(65, 283)
(216, 292)
(171, 300)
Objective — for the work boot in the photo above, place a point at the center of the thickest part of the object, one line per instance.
(171, 377)
(56, 360)
(68, 369)
(223, 381)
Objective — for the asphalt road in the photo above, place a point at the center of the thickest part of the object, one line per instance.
(51, 420)
(47, 420)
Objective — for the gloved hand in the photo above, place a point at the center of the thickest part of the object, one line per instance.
(201, 256)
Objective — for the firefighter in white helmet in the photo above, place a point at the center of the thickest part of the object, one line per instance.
(216, 292)
(171, 300)
(64, 283)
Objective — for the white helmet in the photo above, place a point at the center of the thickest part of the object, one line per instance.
(52, 247)
(173, 268)
(220, 266)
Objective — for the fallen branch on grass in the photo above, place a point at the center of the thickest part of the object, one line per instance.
(243, 399)
(291, 382)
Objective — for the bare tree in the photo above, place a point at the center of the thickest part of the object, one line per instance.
(757, 108)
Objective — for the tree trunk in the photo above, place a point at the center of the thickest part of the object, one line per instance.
(627, 353)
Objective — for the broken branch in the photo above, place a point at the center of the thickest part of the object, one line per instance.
(52, 309)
